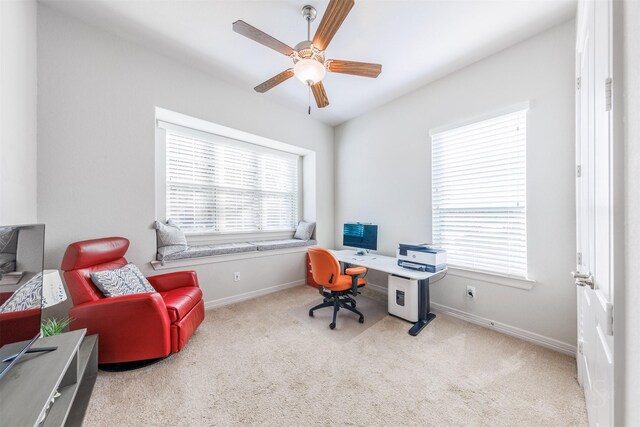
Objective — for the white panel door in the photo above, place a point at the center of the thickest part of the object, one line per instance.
(594, 210)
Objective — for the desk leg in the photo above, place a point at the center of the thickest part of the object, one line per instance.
(424, 308)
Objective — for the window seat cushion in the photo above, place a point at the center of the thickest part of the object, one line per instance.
(208, 250)
(267, 245)
(198, 251)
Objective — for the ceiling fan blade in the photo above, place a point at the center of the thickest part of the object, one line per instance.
(261, 37)
(333, 17)
(363, 69)
(274, 81)
(320, 95)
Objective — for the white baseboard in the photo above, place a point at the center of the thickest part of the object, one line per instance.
(532, 337)
(250, 295)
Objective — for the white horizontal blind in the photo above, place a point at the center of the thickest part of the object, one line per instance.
(479, 195)
(217, 186)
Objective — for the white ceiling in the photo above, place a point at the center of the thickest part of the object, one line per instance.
(415, 41)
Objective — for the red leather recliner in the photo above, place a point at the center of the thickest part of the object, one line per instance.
(130, 327)
(18, 325)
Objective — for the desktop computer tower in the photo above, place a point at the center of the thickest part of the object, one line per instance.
(402, 298)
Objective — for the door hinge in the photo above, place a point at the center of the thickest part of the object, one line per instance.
(578, 171)
(608, 330)
(579, 258)
(608, 94)
(578, 83)
(580, 347)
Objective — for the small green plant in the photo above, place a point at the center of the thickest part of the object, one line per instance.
(53, 326)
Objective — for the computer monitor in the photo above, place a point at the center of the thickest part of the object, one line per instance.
(361, 236)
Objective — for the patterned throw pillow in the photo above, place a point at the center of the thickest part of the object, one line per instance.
(170, 238)
(7, 263)
(8, 249)
(27, 297)
(8, 239)
(304, 230)
(126, 280)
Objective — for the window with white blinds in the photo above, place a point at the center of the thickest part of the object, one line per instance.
(479, 195)
(217, 185)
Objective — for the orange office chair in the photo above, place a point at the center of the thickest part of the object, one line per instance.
(338, 290)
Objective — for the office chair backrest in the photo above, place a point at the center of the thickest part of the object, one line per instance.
(325, 267)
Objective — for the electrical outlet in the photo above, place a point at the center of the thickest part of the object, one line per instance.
(471, 292)
(236, 276)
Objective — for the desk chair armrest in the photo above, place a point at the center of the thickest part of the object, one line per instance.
(354, 272)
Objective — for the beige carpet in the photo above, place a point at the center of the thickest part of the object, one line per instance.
(253, 363)
(347, 325)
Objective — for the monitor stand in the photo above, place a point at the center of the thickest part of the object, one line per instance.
(362, 252)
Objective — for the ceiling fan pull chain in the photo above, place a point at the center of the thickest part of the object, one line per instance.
(309, 111)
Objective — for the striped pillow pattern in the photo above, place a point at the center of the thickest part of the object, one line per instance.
(8, 248)
(27, 297)
(127, 280)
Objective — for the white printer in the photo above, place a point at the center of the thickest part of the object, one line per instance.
(422, 257)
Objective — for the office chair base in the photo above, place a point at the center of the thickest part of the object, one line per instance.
(338, 301)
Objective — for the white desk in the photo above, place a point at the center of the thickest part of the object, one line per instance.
(390, 265)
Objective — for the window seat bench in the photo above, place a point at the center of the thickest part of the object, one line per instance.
(268, 245)
(200, 251)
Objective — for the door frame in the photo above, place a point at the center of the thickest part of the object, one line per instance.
(618, 210)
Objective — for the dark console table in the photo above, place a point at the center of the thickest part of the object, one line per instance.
(30, 385)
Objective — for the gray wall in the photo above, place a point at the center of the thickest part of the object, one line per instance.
(18, 87)
(96, 177)
(383, 175)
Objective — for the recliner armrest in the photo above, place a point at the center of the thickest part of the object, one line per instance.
(130, 327)
(133, 309)
(169, 281)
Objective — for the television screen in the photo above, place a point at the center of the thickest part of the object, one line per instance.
(363, 236)
(21, 263)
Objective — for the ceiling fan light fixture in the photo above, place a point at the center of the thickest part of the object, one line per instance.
(309, 71)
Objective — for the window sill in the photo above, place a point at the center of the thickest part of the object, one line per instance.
(526, 284)
(180, 263)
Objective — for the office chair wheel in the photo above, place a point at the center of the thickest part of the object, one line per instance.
(310, 313)
(332, 325)
(361, 320)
